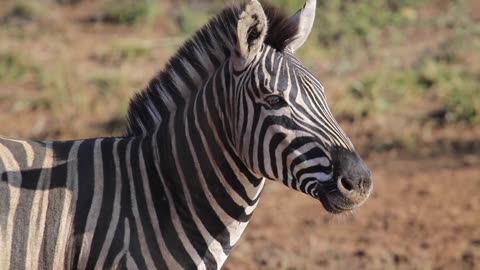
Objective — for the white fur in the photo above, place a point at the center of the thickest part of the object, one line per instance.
(252, 18)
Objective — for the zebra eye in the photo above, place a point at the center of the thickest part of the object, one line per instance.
(275, 101)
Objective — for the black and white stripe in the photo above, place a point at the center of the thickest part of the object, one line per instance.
(234, 107)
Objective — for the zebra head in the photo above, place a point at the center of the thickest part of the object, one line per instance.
(282, 127)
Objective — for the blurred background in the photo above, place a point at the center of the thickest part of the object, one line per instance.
(401, 76)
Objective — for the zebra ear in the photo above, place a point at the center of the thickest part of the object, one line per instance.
(251, 33)
(304, 18)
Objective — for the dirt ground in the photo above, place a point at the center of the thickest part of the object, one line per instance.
(424, 212)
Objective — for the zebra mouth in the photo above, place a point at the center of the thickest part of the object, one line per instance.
(330, 206)
(333, 200)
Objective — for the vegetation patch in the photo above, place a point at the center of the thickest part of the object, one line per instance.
(68, 2)
(441, 83)
(13, 67)
(121, 52)
(129, 11)
(189, 20)
(359, 21)
(24, 10)
(437, 86)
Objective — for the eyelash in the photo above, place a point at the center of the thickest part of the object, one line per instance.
(275, 101)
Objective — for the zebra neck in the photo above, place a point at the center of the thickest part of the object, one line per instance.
(204, 183)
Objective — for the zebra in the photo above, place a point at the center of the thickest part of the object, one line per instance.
(232, 109)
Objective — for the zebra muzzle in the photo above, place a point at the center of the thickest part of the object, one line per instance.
(351, 186)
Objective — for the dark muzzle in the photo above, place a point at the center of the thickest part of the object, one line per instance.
(352, 182)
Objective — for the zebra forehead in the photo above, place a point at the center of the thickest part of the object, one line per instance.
(289, 72)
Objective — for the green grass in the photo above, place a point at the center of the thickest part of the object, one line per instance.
(349, 34)
(123, 52)
(68, 2)
(439, 82)
(463, 98)
(60, 89)
(359, 22)
(129, 11)
(14, 67)
(290, 6)
(442, 81)
(190, 20)
(25, 10)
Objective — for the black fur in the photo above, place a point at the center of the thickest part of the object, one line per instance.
(281, 30)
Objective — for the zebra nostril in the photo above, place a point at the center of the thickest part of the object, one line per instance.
(346, 184)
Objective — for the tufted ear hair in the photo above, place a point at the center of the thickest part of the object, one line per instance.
(304, 18)
(251, 32)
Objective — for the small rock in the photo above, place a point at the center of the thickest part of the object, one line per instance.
(468, 259)
(360, 254)
(398, 259)
(475, 242)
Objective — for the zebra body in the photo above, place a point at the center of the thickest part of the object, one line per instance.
(103, 204)
(234, 107)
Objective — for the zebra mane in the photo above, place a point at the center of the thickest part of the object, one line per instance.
(197, 60)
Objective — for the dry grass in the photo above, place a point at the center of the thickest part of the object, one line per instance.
(75, 67)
